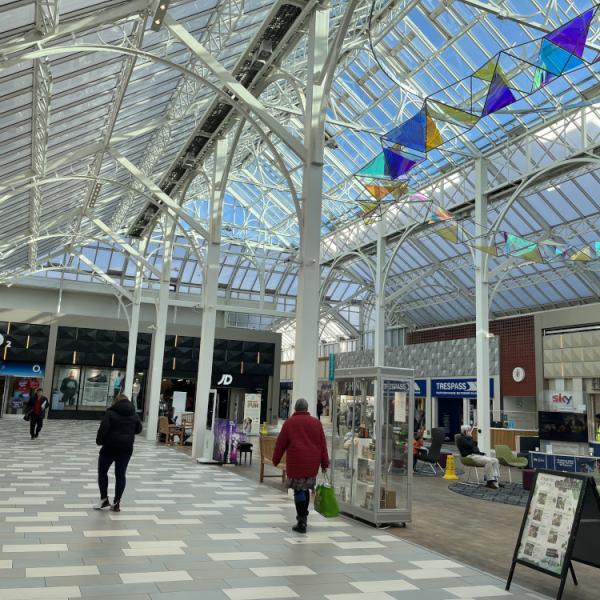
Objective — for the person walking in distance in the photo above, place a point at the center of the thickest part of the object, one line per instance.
(116, 435)
(36, 407)
(302, 440)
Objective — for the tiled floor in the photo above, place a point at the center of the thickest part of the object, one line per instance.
(188, 532)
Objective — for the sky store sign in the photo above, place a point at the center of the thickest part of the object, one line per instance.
(569, 401)
(457, 388)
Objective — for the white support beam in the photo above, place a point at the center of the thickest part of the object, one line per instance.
(163, 198)
(379, 344)
(209, 304)
(226, 79)
(309, 276)
(482, 342)
(96, 270)
(92, 21)
(169, 227)
(46, 20)
(127, 247)
(134, 325)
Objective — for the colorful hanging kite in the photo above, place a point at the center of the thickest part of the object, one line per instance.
(490, 89)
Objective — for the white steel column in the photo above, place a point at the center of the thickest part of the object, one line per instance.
(379, 342)
(482, 310)
(309, 276)
(134, 326)
(209, 301)
(158, 343)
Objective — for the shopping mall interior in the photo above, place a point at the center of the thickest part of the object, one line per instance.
(218, 212)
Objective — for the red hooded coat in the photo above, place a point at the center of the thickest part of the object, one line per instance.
(302, 439)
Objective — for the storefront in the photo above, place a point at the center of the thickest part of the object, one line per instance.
(18, 382)
(23, 350)
(571, 383)
(89, 371)
(324, 406)
(241, 368)
(84, 391)
(455, 403)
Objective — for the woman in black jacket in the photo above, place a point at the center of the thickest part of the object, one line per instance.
(116, 436)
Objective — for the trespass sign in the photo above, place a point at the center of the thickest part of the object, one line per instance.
(457, 388)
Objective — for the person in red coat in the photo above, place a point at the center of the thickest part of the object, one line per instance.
(302, 440)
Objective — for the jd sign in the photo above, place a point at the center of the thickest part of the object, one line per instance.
(225, 380)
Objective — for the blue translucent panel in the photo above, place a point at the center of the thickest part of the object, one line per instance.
(411, 133)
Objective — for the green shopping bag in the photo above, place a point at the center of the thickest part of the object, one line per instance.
(325, 500)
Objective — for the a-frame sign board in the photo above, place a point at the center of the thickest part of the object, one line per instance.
(561, 524)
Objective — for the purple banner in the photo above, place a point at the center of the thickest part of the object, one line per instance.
(226, 443)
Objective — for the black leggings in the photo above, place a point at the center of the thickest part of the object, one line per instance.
(121, 461)
(302, 501)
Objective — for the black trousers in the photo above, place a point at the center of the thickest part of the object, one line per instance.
(104, 462)
(302, 501)
(36, 422)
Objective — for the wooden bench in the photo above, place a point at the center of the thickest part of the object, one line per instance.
(267, 447)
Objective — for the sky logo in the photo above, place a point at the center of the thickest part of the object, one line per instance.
(562, 399)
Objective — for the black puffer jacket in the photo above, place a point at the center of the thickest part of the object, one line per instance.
(118, 428)
(467, 446)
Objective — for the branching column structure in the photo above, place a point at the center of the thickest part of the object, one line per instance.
(134, 324)
(209, 299)
(309, 277)
(482, 309)
(46, 20)
(169, 226)
(379, 344)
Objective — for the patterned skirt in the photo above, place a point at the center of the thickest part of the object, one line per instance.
(301, 483)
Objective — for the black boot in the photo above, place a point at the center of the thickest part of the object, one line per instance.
(300, 526)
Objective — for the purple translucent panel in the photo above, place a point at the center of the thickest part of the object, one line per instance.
(572, 35)
(396, 164)
(499, 96)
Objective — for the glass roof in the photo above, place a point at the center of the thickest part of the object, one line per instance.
(64, 116)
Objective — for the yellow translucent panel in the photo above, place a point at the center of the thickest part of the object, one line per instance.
(449, 233)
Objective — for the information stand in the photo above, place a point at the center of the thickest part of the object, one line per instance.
(561, 524)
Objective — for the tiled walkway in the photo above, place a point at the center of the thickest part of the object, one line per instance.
(190, 532)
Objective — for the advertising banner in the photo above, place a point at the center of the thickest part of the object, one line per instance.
(95, 387)
(226, 441)
(564, 401)
(560, 525)
(565, 463)
(457, 388)
(549, 521)
(18, 369)
(420, 388)
(66, 388)
(251, 422)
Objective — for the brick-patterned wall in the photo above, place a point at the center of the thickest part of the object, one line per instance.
(517, 349)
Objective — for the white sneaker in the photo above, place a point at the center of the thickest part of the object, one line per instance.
(102, 504)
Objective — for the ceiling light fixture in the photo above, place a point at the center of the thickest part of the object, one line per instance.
(159, 15)
(94, 195)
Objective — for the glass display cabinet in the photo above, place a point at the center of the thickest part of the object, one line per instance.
(372, 430)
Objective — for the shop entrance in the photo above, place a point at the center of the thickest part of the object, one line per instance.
(450, 416)
(15, 393)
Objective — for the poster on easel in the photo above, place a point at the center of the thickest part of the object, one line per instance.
(251, 422)
(561, 524)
